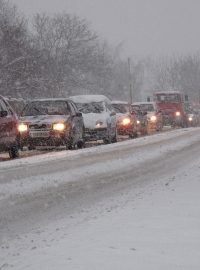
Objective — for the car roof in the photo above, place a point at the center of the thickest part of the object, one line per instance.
(167, 92)
(48, 99)
(119, 102)
(145, 102)
(88, 98)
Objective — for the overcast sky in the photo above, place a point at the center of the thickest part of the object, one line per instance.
(144, 26)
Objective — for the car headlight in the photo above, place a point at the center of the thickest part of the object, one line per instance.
(99, 124)
(126, 121)
(190, 118)
(178, 113)
(153, 118)
(59, 126)
(22, 127)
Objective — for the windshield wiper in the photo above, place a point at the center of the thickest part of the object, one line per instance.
(37, 110)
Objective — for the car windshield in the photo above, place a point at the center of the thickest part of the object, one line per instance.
(17, 105)
(135, 108)
(46, 107)
(121, 108)
(175, 98)
(147, 107)
(92, 107)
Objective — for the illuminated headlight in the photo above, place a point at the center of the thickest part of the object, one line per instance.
(190, 118)
(178, 113)
(153, 118)
(126, 121)
(99, 124)
(22, 127)
(59, 126)
(138, 122)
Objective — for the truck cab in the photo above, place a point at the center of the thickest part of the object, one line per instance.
(172, 105)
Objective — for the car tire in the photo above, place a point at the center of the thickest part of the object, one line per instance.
(80, 144)
(133, 135)
(14, 152)
(69, 146)
(114, 139)
(31, 147)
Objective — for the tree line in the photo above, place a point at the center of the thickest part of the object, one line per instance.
(61, 55)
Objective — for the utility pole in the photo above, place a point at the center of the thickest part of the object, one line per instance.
(130, 80)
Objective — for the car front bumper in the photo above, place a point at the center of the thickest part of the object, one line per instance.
(44, 138)
(126, 130)
(95, 134)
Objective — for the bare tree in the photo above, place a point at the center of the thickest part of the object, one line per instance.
(67, 47)
(14, 56)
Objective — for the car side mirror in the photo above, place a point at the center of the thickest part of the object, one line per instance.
(3, 113)
(79, 114)
(112, 113)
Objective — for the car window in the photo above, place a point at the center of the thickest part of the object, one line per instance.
(17, 105)
(121, 108)
(147, 107)
(109, 107)
(3, 106)
(168, 98)
(91, 107)
(46, 107)
(72, 108)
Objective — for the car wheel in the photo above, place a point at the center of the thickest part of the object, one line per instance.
(107, 140)
(31, 147)
(14, 152)
(69, 146)
(80, 144)
(114, 139)
(133, 135)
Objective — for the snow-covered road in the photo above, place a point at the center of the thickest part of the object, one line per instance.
(130, 205)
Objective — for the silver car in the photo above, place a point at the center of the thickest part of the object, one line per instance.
(99, 117)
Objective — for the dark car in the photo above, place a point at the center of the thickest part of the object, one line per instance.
(126, 121)
(142, 121)
(51, 122)
(8, 129)
(192, 116)
(154, 116)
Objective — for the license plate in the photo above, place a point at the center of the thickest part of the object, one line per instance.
(39, 134)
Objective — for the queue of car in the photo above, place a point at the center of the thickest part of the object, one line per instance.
(73, 121)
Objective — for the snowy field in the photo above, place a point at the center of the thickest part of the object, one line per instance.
(130, 205)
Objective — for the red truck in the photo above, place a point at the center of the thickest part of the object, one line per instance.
(172, 106)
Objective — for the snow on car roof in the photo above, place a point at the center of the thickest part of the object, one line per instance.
(167, 92)
(119, 102)
(145, 102)
(48, 99)
(88, 98)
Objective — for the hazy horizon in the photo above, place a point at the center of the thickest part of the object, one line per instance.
(151, 27)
